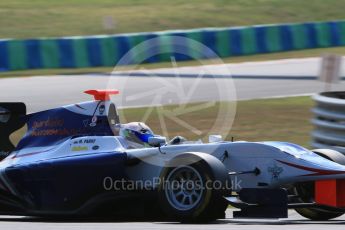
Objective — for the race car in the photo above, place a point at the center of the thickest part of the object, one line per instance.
(79, 160)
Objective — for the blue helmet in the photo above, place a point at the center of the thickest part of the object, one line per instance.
(137, 134)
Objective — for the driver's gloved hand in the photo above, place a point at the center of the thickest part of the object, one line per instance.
(177, 140)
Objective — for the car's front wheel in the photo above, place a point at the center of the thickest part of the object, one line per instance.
(306, 190)
(194, 187)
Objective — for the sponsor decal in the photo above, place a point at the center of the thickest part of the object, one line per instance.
(101, 109)
(86, 122)
(275, 171)
(48, 123)
(79, 148)
(93, 121)
(89, 141)
(55, 132)
(95, 147)
(80, 145)
(52, 127)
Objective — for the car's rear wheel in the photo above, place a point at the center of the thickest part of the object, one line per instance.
(305, 190)
(193, 188)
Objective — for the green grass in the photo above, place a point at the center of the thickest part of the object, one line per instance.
(283, 119)
(250, 58)
(46, 18)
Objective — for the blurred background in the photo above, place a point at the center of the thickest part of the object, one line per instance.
(48, 46)
(41, 18)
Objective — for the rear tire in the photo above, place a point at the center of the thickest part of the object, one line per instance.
(188, 193)
(306, 190)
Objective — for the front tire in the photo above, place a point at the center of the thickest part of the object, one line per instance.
(194, 187)
(306, 190)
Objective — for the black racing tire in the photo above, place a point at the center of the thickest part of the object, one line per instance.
(306, 190)
(317, 214)
(330, 154)
(188, 194)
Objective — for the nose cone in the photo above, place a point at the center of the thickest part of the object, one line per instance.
(316, 170)
(300, 164)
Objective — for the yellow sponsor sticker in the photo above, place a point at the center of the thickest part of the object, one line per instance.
(79, 148)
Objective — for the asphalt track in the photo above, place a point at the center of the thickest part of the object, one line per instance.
(294, 221)
(250, 81)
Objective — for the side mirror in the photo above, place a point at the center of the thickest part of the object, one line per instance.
(215, 138)
(157, 141)
(4, 115)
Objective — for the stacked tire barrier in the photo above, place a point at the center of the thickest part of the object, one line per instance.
(329, 121)
(92, 51)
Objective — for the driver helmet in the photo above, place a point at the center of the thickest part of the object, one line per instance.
(137, 134)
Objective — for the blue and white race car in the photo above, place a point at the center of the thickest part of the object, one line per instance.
(79, 160)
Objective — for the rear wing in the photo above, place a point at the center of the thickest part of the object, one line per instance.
(12, 118)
